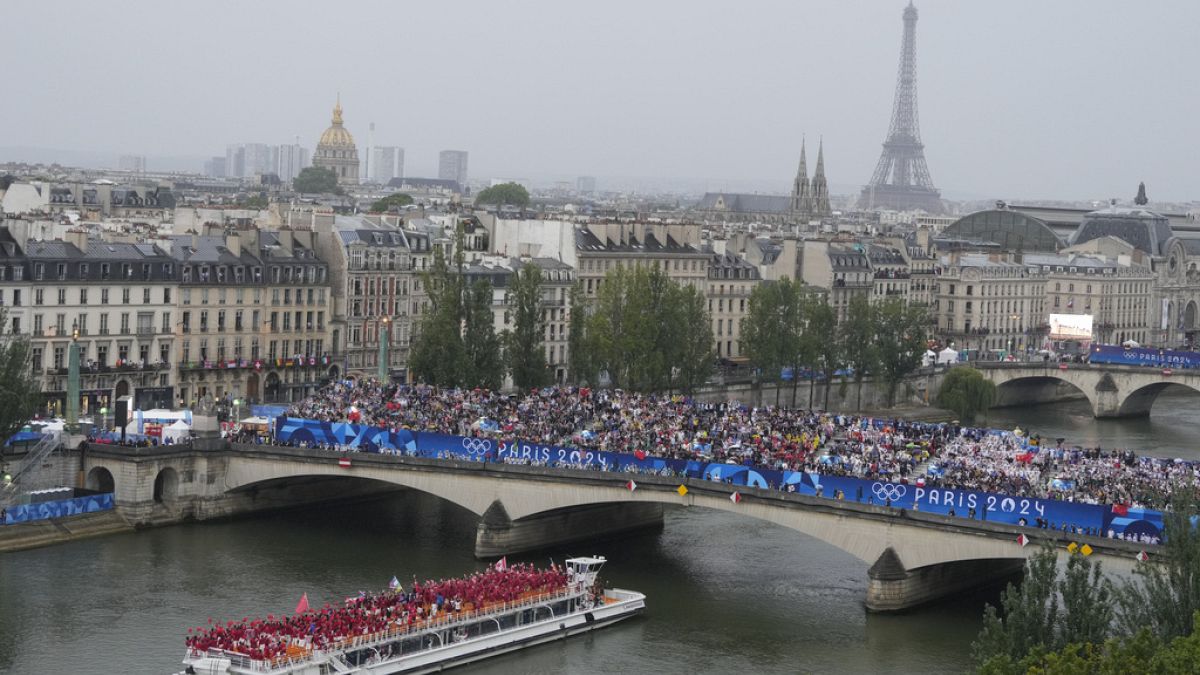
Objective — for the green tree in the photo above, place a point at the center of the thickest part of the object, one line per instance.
(900, 339)
(822, 344)
(771, 328)
(856, 335)
(1164, 593)
(438, 353)
(19, 392)
(484, 363)
(253, 202)
(396, 199)
(966, 392)
(504, 194)
(580, 358)
(1030, 613)
(316, 180)
(693, 339)
(1088, 602)
(524, 349)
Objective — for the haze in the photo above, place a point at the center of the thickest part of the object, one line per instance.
(1066, 100)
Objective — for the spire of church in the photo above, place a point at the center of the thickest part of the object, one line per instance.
(820, 187)
(337, 111)
(801, 198)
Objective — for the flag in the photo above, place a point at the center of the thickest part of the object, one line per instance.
(302, 606)
(1085, 549)
(502, 564)
(394, 583)
(1120, 509)
(682, 490)
(1022, 540)
(640, 454)
(1142, 556)
(631, 486)
(344, 462)
(1072, 547)
(735, 497)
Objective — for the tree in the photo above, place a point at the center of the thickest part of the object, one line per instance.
(966, 392)
(899, 341)
(1030, 613)
(1088, 602)
(693, 339)
(396, 199)
(770, 329)
(484, 363)
(524, 349)
(253, 202)
(823, 345)
(1164, 593)
(857, 335)
(19, 392)
(510, 194)
(316, 180)
(580, 357)
(438, 353)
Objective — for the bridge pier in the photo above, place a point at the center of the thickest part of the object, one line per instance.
(893, 588)
(499, 535)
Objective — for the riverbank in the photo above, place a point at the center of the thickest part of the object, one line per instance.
(51, 531)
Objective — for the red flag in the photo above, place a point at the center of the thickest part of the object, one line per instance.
(502, 564)
(344, 462)
(631, 486)
(1142, 556)
(735, 497)
(1120, 509)
(1022, 540)
(640, 454)
(302, 606)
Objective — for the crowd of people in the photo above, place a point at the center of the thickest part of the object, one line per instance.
(676, 427)
(292, 636)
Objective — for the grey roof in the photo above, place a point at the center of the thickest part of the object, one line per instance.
(740, 202)
(209, 249)
(1144, 230)
(586, 240)
(541, 263)
(723, 263)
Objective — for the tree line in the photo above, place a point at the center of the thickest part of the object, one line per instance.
(1082, 621)
(792, 326)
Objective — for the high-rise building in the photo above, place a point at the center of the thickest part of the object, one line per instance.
(586, 185)
(260, 159)
(336, 150)
(387, 162)
(901, 180)
(215, 167)
(134, 163)
(452, 165)
(292, 158)
(235, 161)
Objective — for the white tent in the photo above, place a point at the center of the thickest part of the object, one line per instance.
(176, 432)
(947, 355)
(929, 358)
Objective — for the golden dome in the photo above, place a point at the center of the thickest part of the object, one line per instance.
(336, 134)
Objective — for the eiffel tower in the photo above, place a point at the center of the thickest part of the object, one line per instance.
(901, 180)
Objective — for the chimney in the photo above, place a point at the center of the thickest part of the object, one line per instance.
(285, 239)
(79, 237)
(234, 243)
(195, 240)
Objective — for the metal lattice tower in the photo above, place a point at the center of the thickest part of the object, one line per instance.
(901, 179)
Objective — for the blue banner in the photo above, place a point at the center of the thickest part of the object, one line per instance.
(59, 508)
(1143, 356)
(984, 506)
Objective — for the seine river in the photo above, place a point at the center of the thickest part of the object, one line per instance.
(726, 594)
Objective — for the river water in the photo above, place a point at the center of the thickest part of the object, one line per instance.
(725, 593)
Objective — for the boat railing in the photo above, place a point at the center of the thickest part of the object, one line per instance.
(300, 653)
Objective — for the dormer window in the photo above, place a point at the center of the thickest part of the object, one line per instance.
(187, 273)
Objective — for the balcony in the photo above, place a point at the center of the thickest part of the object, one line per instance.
(125, 367)
(258, 364)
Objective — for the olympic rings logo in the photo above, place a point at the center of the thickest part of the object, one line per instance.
(476, 445)
(885, 491)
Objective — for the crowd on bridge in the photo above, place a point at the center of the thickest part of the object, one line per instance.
(677, 427)
(279, 637)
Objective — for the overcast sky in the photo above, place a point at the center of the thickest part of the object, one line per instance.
(1018, 98)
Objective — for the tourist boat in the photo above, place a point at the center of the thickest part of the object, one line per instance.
(449, 639)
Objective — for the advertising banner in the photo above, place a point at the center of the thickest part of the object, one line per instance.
(1071, 327)
(57, 509)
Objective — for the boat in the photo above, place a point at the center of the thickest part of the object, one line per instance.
(433, 640)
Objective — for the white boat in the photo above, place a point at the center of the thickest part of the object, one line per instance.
(452, 639)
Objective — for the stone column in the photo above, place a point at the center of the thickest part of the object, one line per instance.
(499, 535)
(893, 588)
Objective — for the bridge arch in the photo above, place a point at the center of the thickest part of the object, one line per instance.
(1035, 389)
(166, 485)
(1139, 401)
(101, 479)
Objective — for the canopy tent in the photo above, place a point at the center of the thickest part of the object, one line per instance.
(176, 432)
(929, 358)
(947, 355)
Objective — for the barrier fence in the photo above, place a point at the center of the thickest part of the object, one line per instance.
(59, 508)
(1098, 519)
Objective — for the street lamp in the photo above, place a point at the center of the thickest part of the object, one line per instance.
(383, 350)
(237, 407)
(72, 424)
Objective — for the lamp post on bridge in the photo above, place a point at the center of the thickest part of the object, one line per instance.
(383, 350)
(72, 424)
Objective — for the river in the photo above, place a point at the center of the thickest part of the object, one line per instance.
(725, 593)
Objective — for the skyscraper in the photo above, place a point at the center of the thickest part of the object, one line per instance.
(292, 158)
(585, 185)
(901, 180)
(387, 162)
(215, 167)
(452, 165)
(134, 163)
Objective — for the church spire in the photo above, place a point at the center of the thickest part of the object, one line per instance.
(801, 198)
(820, 187)
(337, 111)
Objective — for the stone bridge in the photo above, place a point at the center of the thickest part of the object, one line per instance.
(913, 557)
(1112, 391)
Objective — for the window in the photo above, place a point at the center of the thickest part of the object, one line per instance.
(17, 296)
(39, 271)
(16, 325)
(124, 296)
(166, 322)
(164, 353)
(105, 271)
(60, 324)
(39, 296)
(186, 295)
(83, 296)
(102, 354)
(83, 270)
(125, 323)
(62, 296)
(104, 324)
(166, 295)
(145, 296)
(203, 321)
